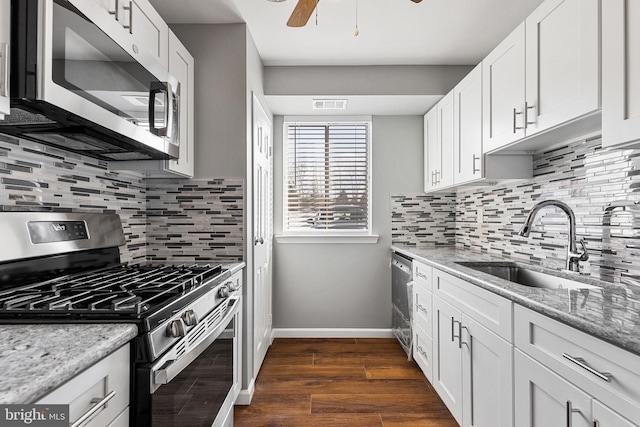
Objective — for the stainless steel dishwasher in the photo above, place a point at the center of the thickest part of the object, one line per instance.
(401, 296)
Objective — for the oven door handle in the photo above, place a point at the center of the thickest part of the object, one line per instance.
(165, 371)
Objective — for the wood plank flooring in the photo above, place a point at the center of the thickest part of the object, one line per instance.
(341, 382)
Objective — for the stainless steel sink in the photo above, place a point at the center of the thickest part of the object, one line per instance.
(524, 276)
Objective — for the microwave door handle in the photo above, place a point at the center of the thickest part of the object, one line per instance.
(154, 90)
(170, 369)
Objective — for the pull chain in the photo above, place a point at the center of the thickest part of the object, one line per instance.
(357, 31)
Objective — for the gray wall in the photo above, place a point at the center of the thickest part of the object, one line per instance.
(347, 285)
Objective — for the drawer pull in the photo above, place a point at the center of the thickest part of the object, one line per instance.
(453, 335)
(424, 276)
(570, 412)
(420, 307)
(596, 423)
(422, 352)
(99, 403)
(604, 376)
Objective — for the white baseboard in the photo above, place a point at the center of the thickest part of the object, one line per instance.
(331, 333)
(245, 396)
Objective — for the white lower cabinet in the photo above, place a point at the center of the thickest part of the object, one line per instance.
(99, 395)
(487, 365)
(544, 399)
(447, 356)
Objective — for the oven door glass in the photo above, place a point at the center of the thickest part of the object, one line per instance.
(196, 395)
(87, 62)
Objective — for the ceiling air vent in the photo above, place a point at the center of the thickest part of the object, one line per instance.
(329, 104)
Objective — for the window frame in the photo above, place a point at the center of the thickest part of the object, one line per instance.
(308, 235)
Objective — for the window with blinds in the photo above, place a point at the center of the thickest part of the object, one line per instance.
(327, 177)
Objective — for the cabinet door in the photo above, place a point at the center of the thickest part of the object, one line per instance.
(503, 92)
(431, 149)
(605, 417)
(444, 177)
(562, 63)
(181, 66)
(543, 399)
(447, 356)
(5, 34)
(620, 72)
(467, 133)
(487, 364)
(150, 31)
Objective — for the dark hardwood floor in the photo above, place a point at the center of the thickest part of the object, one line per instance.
(341, 382)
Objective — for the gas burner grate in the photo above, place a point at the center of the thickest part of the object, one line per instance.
(119, 289)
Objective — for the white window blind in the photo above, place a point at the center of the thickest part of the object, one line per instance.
(327, 177)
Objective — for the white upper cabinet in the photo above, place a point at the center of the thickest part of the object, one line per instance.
(181, 66)
(467, 132)
(445, 109)
(620, 73)
(431, 149)
(543, 75)
(144, 23)
(562, 63)
(503, 89)
(438, 144)
(5, 35)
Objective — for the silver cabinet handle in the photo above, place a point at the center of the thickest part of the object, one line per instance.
(130, 9)
(604, 376)
(4, 57)
(420, 307)
(515, 127)
(475, 159)
(453, 335)
(98, 404)
(596, 423)
(422, 352)
(116, 11)
(259, 241)
(528, 107)
(570, 412)
(424, 276)
(437, 179)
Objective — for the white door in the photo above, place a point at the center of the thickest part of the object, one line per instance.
(605, 417)
(544, 399)
(445, 140)
(431, 150)
(562, 63)
(467, 133)
(620, 72)
(447, 364)
(487, 364)
(5, 26)
(503, 92)
(262, 231)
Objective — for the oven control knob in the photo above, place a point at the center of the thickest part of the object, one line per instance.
(190, 318)
(176, 329)
(232, 286)
(223, 291)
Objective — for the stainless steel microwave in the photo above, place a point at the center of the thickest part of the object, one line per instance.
(80, 83)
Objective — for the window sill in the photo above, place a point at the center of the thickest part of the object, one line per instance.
(327, 239)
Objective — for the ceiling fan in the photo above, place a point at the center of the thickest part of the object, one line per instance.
(303, 11)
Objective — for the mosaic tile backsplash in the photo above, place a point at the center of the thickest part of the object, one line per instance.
(201, 224)
(423, 219)
(601, 186)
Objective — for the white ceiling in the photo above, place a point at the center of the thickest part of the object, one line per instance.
(391, 32)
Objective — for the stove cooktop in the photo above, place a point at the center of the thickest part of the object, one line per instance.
(111, 292)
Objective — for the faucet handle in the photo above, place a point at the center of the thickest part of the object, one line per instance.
(583, 255)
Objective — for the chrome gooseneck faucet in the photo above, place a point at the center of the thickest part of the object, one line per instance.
(573, 255)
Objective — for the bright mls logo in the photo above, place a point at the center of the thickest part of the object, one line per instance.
(34, 415)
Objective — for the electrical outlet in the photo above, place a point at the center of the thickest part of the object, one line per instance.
(480, 215)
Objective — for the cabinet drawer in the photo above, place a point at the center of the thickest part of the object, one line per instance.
(490, 310)
(108, 376)
(422, 274)
(422, 308)
(423, 351)
(552, 343)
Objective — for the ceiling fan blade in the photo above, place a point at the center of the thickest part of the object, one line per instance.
(301, 13)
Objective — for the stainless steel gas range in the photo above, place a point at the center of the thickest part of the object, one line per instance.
(65, 267)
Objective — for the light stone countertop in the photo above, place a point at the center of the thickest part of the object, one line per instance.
(611, 313)
(37, 358)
